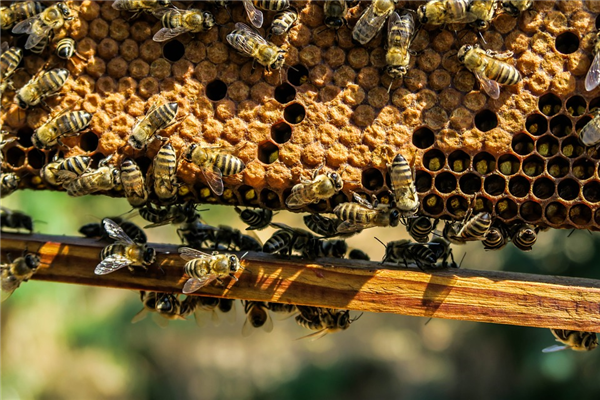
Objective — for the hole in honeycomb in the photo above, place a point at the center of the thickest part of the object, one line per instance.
(533, 166)
(281, 132)
(591, 192)
(558, 167)
(580, 214)
(24, 137)
(543, 188)
(531, 211)
(581, 122)
(508, 164)
(384, 197)
(583, 169)
(522, 144)
(549, 104)
(285, 93)
(270, 199)
(572, 148)
(484, 163)
(36, 159)
(433, 204)
(494, 185)
(483, 205)
(457, 206)
(595, 103)
(567, 43)
(297, 75)
(338, 199)
(216, 90)
(173, 50)
(319, 207)
(423, 181)
(294, 113)
(556, 213)
(445, 182)
(248, 195)
(486, 120)
(576, 106)
(536, 124)
(88, 141)
(459, 161)
(268, 153)
(15, 156)
(21, 41)
(506, 209)
(144, 164)
(96, 158)
(470, 184)
(372, 179)
(518, 186)
(561, 126)
(423, 138)
(547, 146)
(568, 189)
(434, 160)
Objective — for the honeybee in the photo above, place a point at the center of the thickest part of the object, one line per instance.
(15, 220)
(403, 186)
(488, 68)
(66, 123)
(592, 79)
(106, 177)
(197, 234)
(441, 12)
(442, 251)
(321, 187)
(475, 228)
(17, 12)
(48, 83)
(124, 252)
(283, 21)
(17, 271)
(176, 22)
(406, 251)
(4, 142)
(372, 19)
(272, 5)
(156, 119)
(214, 164)
(323, 320)
(524, 237)
(61, 171)
(282, 308)
(255, 219)
(257, 316)
(134, 184)
(318, 247)
(324, 226)
(174, 214)
(363, 215)
(250, 43)
(9, 182)
(203, 268)
(9, 61)
(138, 6)
(65, 49)
(420, 228)
(484, 11)
(39, 26)
(226, 236)
(496, 238)
(335, 13)
(574, 340)
(149, 301)
(164, 172)
(96, 230)
(287, 239)
(589, 135)
(515, 7)
(356, 254)
(401, 32)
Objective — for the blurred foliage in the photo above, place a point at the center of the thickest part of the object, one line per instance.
(66, 341)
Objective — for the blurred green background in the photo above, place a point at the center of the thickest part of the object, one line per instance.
(64, 341)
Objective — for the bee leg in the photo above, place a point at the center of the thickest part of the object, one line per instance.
(500, 56)
(253, 67)
(45, 106)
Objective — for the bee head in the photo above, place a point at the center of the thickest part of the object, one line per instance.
(394, 217)
(64, 9)
(234, 264)
(188, 153)
(335, 22)
(21, 102)
(462, 53)
(395, 71)
(338, 183)
(339, 248)
(149, 255)
(343, 320)
(590, 341)
(208, 21)
(32, 261)
(279, 61)
(422, 14)
(165, 304)
(164, 3)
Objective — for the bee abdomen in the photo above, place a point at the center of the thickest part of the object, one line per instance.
(73, 122)
(65, 48)
(503, 73)
(272, 5)
(229, 165)
(112, 249)
(163, 115)
(172, 19)
(53, 80)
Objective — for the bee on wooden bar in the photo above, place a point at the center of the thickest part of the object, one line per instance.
(363, 215)
(17, 12)
(287, 239)
(401, 32)
(282, 308)
(523, 237)
(283, 22)
(176, 22)
(323, 320)
(250, 43)
(16, 272)
(203, 268)
(156, 119)
(475, 228)
(484, 11)
(9, 182)
(356, 254)
(335, 13)
(321, 187)
(592, 79)
(257, 316)
(256, 219)
(134, 184)
(14, 219)
(124, 252)
(39, 26)
(164, 172)
(106, 177)
(324, 226)
(96, 230)
(372, 19)
(420, 228)
(589, 135)
(489, 69)
(574, 340)
(496, 238)
(65, 124)
(214, 163)
(149, 301)
(9, 61)
(406, 251)
(516, 7)
(403, 186)
(174, 214)
(38, 88)
(226, 236)
(441, 12)
(442, 251)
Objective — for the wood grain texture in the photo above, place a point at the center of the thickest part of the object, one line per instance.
(484, 296)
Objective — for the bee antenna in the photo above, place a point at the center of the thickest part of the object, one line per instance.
(481, 36)
(461, 260)
(291, 67)
(244, 255)
(390, 87)
(384, 245)
(428, 321)
(356, 318)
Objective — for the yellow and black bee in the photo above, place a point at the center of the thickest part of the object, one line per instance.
(496, 238)
(156, 119)
(134, 184)
(484, 12)
(516, 7)
(475, 228)
(39, 26)
(250, 43)
(441, 12)
(283, 22)
(257, 316)
(323, 320)
(63, 171)
(363, 215)
(321, 187)
(401, 32)
(106, 177)
(16, 272)
(335, 13)
(38, 88)
(65, 49)
(9, 182)
(215, 163)
(523, 236)
(589, 135)
(17, 12)
(9, 61)
(203, 268)
(372, 20)
(164, 172)
(255, 219)
(66, 123)
(403, 186)
(574, 340)
(176, 22)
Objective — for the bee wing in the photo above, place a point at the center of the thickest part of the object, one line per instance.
(362, 201)
(25, 26)
(214, 179)
(188, 253)
(255, 16)
(194, 284)
(491, 87)
(6, 294)
(294, 200)
(115, 231)
(592, 79)
(168, 33)
(394, 19)
(349, 227)
(160, 320)
(279, 225)
(140, 315)
(120, 4)
(65, 177)
(374, 20)
(111, 263)
(554, 348)
(315, 335)
(37, 36)
(4, 46)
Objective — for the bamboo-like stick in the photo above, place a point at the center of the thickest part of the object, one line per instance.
(484, 296)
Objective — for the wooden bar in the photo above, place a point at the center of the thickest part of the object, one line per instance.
(484, 296)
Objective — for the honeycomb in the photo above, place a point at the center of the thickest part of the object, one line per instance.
(330, 106)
